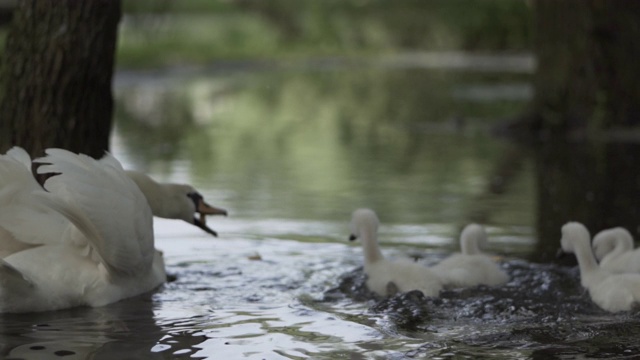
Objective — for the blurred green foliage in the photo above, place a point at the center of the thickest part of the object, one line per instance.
(317, 142)
(160, 33)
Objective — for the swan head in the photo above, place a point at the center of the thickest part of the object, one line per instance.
(176, 201)
(606, 240)
(363, 220)
(189, 205)
(574, 233)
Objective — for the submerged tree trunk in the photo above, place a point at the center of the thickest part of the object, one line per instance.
(56, 77)
(588, 73)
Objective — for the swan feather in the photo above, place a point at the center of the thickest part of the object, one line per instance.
(81, 179)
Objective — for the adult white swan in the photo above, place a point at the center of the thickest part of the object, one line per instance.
(614, 249)
(86, 240)
(383, 274)
(470, 267)
(611, 292)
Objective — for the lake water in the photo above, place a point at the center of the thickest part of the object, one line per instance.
(290, 151)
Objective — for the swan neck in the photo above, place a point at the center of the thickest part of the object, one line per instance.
(469, 246)
(619, 249)
(370, 246)
(623, 244)
(586, 260)
(154, 192)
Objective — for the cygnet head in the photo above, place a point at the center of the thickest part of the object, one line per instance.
(363, 220)
(606, 240)
(472, 239)
(572, 234)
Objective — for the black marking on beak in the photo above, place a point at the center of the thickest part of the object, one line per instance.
(196, 198)
(203, 209)
(352, 237)
(204, 227)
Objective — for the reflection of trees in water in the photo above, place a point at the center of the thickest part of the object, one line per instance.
(124, 330)
(507, 171)
(372, 105)
(366, 104)
(319, 137)
(155, 119)
(597, 184)
(157, 122)
(494, 24)
(320, 130)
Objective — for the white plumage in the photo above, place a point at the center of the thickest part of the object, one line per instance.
(611, 292)
(404, 275)
(614, 249)
(87, 238)
(470, 267)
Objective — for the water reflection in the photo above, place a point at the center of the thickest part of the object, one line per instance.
(291, 154)
(542, 310)
(124, 330)
(266, 306)
(308, 145)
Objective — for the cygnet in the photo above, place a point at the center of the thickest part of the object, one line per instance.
(470, 267)
(614, 249)
(383, 274)
(611, 292)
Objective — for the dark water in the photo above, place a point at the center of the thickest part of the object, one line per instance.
(291, 152)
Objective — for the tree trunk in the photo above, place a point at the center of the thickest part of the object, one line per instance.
(594, 183)
(586, 85)
(56, 77)
(588, 74)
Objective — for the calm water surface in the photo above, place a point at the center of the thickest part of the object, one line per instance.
(291, 153)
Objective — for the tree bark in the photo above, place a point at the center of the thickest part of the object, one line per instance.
(586, 86)
(588, 74)
(594, 183)
(56, 77)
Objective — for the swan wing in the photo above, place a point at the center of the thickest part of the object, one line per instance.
(105, 205)
(20, 155)
(15, 167)
(26, 220)
(110, 160)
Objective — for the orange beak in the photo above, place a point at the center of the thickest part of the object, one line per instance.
(205, 209)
